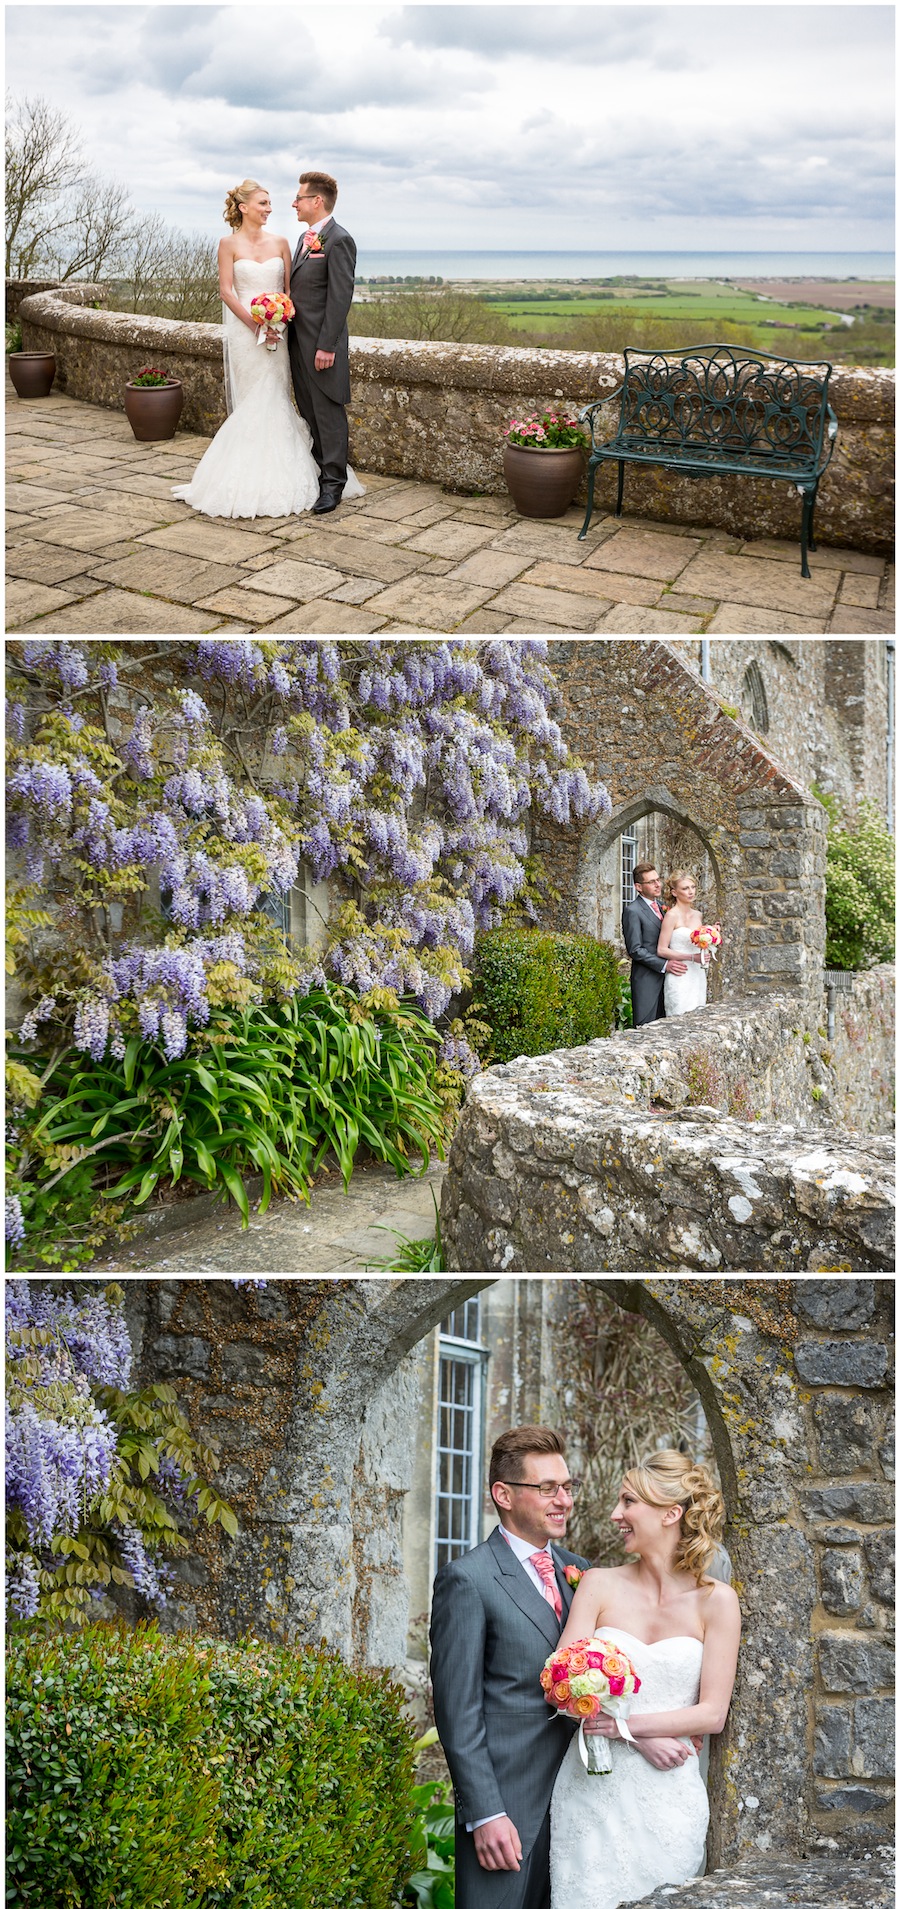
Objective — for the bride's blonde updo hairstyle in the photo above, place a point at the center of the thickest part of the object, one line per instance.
(672, 1478)
(237, 198)
(678, 875)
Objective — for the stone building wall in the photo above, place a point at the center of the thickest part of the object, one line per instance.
(689, 1146)
(310, 1387)
(666, 750)
(827, 706)
(437, 412)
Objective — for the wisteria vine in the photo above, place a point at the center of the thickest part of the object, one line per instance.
(79, 1517)
(163, 793)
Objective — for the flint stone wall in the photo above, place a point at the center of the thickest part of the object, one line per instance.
(310, 1388)
(772, 1883)
(437, 411)
(625, 1156)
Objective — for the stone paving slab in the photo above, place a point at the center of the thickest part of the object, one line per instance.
(124, 556)
(339, 1233)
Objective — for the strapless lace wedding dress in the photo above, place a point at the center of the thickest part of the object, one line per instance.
(683, 992)
(260, 463)
(615, 1838)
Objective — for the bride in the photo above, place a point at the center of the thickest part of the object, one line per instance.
(682, 992)
(615, 1838)
(260, 463)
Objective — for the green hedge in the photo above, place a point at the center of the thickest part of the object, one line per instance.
(540, 991)
(154, 1772)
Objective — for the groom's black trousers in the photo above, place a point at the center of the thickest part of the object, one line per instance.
(330, 431)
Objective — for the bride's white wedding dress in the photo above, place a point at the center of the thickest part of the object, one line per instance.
(260, 463)
(682, 992)
(615, 1838)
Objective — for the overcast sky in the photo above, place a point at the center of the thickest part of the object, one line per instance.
(490, 127)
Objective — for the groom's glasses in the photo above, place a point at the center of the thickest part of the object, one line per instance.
(548, 1489)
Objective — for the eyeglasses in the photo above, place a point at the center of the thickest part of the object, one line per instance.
(571, 1486)
(301, 196)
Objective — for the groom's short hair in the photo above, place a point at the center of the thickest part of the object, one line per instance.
(324, 185)
(515, 1445)
(642, 869)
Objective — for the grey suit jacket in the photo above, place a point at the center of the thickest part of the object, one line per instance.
(491, 1634)
(640, 929)
(322, 293)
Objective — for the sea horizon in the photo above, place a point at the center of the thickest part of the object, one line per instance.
(378, 263)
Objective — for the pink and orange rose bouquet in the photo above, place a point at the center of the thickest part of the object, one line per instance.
(272, 311)
(707, 939)
(590, 1676)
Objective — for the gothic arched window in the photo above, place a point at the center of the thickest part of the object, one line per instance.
(754, 707)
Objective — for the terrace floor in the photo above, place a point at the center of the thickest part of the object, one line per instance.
(96, 545)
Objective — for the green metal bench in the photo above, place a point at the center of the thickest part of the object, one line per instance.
(713, 408)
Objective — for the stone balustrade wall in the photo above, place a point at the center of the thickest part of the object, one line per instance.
(697, 1145)
(437, 412)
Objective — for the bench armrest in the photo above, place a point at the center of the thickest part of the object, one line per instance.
(587, 415)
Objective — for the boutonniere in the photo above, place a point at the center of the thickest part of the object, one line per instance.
(573, 1576)
(312, 242)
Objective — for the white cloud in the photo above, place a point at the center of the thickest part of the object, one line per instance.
(449, 126)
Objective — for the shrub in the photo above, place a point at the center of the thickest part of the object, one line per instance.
(859, 889)
(157, 1772)
(268, 1090)
(540, 991)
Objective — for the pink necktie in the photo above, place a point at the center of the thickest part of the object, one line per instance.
(543, 1565)
(655, 907)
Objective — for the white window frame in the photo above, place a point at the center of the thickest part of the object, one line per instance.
(473, 1358)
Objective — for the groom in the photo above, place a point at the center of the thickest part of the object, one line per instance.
(497, 1614)
(322, 276)
(641, 922)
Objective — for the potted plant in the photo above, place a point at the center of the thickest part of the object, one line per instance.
(153, 404)
(32, 372)
(543, 462)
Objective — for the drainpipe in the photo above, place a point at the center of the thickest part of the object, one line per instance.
(889, 646)
(705, 668)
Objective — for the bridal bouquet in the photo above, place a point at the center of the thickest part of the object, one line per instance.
(707, 939)
(272, 311)
(589, 1676)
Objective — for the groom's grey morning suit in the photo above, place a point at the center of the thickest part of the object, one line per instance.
(491, 1634)
(322, 293)
(641, 924)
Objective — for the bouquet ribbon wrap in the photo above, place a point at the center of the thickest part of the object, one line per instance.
(594, 1751)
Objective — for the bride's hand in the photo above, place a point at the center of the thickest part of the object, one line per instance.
(665, 1753)
(600, 1727)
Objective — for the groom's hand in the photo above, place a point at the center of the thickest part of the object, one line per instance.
(498, 1844)
(324, 360)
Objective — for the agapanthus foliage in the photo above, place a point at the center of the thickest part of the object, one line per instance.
(162, 793)
(102, 1482)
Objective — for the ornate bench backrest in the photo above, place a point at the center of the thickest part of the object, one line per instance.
(735, 402)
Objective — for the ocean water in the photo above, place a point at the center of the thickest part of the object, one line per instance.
(559, 265)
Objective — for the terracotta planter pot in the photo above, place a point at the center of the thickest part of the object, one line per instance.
(32, 372)
(153, 410)
(542, 483)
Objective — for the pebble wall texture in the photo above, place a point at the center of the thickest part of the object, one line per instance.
(437, 411)
(773, 1883)
(311, 1390)
(688, 1146)
(661, 742)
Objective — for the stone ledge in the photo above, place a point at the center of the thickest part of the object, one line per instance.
(773, 1882)
(594, 1160)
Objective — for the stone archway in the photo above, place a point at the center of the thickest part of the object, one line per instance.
(675, 835)
(308, 1385)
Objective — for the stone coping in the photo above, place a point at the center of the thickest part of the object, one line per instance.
(773, 1882)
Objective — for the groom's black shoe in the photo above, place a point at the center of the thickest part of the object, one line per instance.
(326, 500)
